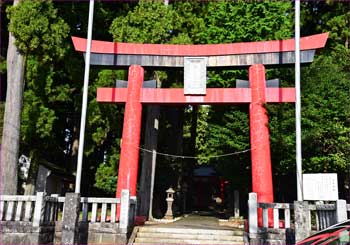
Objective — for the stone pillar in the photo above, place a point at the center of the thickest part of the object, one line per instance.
(70, 225)
(125, 210)
(259, 139)
(341, 210)
(39, 209)
(302, 220)
(252, 215)
(129, 156)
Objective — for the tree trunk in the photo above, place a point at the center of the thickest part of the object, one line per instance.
(12, 117)
(151, 141)
(194, 130)
(176, 119)
(191, 163)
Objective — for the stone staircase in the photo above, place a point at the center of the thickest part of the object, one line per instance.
(181, 235)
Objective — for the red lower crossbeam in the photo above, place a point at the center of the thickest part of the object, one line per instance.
(213, 96)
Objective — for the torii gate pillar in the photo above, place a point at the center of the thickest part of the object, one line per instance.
(259, 136)
(129, 155)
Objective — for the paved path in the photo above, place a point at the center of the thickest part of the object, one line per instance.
(194, 221)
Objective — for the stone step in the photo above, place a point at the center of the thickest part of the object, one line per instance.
(153, 229)
(182, 241)
(190, 236)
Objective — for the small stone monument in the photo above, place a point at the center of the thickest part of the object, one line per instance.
(170, 199)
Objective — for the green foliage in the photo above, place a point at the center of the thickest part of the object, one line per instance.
(202, 144)
(106, 173)
(2, 65)
(103, 123)
(106, 178)
(101, 117)
(154, 22)
(41, 98)
(40, 34)
(328, 16)
(149, 22)
(220, 132)
(240, 21)
(326, 114)
(37, 28)
(190, 22)
(325, 119)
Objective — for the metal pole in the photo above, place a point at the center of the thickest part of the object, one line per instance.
(154, 157)
(298, 103)
(85, 98)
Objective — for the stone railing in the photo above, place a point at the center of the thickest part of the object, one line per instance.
(278, 223)
(281, 214)
(16, 208)
(107, 207)
(72, 219)
(27, 219)
(90, 217)
(39, 209)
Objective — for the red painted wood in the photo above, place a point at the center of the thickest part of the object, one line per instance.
(214, 96)
(129, 156)
(306, 43)
(259, 139)
(222, 189)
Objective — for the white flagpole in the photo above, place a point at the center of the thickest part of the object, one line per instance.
(298, 102)
(85, 98)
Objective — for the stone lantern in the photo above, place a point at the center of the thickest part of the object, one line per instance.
(170, 199)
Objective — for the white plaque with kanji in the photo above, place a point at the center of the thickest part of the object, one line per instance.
(195, 75)
(323, 187)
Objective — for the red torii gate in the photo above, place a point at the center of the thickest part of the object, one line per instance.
(254, 54)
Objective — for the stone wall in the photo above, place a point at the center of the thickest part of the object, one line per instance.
(34, 219)
(273, 237)
(95, 233)
(22, 232)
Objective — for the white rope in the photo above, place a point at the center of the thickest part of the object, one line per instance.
(193, 157)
